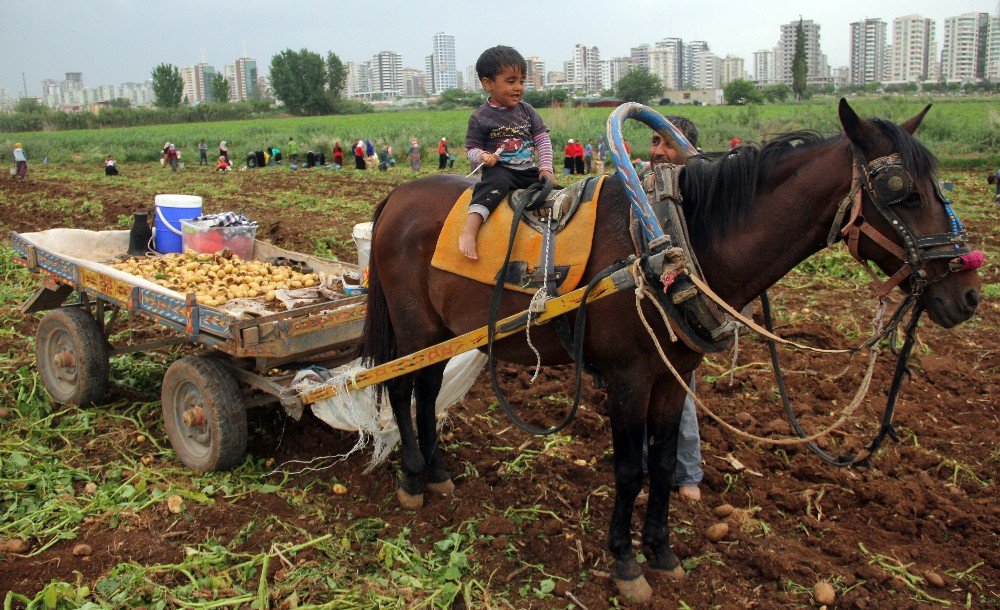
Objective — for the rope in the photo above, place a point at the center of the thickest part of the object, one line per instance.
(642, 291)
(540, 296)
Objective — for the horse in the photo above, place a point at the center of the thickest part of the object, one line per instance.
(753, 215)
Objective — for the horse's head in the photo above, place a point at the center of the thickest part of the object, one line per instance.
(903, 223)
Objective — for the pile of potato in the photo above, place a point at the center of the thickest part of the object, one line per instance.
(217, 278)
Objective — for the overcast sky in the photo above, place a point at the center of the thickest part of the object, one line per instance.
(115, 41)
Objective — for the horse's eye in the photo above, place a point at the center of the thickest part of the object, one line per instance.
(913, 201)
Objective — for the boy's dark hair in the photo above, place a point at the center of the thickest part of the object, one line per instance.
(495, 59)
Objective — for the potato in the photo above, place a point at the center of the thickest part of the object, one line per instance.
(824, 593)
(717, 532)
(295, 284)
(270, 296)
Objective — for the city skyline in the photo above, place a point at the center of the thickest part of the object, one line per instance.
(126, 53)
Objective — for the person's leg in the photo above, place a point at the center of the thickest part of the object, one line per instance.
(688, 473)
(486, 196)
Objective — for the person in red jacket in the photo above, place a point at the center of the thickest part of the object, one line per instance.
(359, 155)
(578, 157)
(443, 153)
(338, 154)
(569, 164)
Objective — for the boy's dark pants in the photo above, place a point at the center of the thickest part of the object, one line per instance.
(498, 181)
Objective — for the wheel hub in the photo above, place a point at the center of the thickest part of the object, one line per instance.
(64, 359)
(194, 417)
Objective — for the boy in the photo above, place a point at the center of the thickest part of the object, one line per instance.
(513, 130)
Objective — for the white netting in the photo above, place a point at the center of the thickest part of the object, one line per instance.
(357, 411)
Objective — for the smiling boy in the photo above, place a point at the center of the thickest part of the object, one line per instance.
(504, 135)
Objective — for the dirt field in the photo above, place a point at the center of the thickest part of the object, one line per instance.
(535, 510)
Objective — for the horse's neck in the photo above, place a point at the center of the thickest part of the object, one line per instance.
(787, 223)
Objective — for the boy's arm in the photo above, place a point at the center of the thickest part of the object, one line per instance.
(543, 148)
(474, 142)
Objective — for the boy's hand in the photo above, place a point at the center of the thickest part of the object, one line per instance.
(547, 175)
(490, 159)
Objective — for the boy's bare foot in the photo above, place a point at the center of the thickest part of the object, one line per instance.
(467, 244)
(690, 493)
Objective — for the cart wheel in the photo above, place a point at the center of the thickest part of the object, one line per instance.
(204, 414)
(72, 356)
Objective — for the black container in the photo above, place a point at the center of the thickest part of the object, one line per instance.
(139, 236)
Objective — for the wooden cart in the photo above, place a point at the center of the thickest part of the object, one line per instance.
(244, 362)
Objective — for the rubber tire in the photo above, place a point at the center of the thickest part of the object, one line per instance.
(90, 351)
(225, 413)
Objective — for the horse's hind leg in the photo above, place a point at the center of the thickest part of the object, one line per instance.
(427, 387)
(666, 405)
(411, 486)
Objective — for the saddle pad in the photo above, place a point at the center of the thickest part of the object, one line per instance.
(572, 249)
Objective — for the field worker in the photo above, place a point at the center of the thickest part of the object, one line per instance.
(163, 154)
(110, 166)
(994, 179)
(688, 473)
(338, 154)
(504, 135)
(222, 165)
(359, 155)
(20, 161)
(569, 166)
(202, 152)
(734, 143)
(602, 151)
(413, 154)
(588, 155)
(224, 150)
(443, 153)
(578, 157)
(173, 157)
(293, 150)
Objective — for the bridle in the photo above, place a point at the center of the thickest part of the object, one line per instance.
(887, 184)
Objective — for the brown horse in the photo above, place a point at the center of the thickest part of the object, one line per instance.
(753, 216)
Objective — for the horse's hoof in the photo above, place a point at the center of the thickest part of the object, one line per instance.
(410, 501)
(637, 589)
(445, 487)
(676, 573)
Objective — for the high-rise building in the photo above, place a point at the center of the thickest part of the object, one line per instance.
(706, 70)
(914, 49)
(263, 88)
(197, 83)
(535, 78)
(663, 65)
(963, 54)
(612, 70)
(471, 80)
(763, 67)
(413, 82)
(867, 51)
(674, 76)
(587, 68)
(640, 56)
(817, 68)
(993, 49)
(733, 68)
(385, 75)
(74, 81)
(245, 82)
(440, 64)
(356, 83)
(691, 49)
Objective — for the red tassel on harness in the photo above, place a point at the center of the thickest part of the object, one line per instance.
(968, 262)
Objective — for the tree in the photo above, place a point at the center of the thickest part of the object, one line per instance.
(29, 105)
(777, 92)
(740, 92)
(168, 86)
(336, 74)
(800, 69)
(639, 85)
(220, 88)
(299, 79)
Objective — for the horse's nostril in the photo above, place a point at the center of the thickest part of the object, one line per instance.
(972, 298)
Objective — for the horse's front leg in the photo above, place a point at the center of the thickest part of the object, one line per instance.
(628, 397)
(411, 486)
(663, 424)
(427, 388)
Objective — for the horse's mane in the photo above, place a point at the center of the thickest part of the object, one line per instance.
(719, 189)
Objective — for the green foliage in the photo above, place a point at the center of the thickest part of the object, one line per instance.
(800, 69)
(457, 98)
(220, 88)
(122, 116)
(168, 86)
(299, 79)
(336, 74)
(29, 105)
(639, 85)
(546, 98)
(776, 93)
(740, 92)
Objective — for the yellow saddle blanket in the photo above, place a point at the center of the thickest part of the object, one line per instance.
(525, 272)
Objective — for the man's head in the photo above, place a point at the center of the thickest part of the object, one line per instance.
(661, 152)
(501, 70)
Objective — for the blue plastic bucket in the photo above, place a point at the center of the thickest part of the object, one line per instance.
(170, 211)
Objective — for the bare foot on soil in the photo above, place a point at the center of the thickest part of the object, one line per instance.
(690, 493)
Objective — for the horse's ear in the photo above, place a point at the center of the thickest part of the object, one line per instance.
(855, 128)
(910, 125)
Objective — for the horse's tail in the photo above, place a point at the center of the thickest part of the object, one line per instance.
(378, 343)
